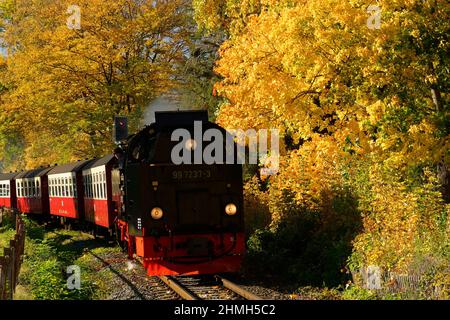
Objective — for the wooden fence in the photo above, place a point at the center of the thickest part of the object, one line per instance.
(11, 260)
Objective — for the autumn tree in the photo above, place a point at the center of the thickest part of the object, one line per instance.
(65, 82)
(360, 92)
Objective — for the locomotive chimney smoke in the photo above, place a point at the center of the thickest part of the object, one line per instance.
(167, 102)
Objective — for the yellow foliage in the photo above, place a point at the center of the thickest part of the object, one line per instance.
(358, 106)
(66, 84)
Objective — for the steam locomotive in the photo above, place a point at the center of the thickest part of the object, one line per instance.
(175, 218)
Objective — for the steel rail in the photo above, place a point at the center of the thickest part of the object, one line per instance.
(238, 290)
(175, 286)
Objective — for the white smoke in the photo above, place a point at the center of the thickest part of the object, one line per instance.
(169, 102)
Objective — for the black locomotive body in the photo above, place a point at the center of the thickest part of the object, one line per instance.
(182, 218)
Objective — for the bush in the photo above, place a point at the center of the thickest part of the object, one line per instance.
(307, 247)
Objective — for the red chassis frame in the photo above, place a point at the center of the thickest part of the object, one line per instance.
(160, 256)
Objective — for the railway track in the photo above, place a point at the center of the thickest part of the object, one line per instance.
(207, 288)
(202, 287)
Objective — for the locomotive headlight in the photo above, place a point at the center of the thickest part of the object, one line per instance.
(230, 209)
(157, 213)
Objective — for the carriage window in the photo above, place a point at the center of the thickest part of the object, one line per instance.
(90, 185)
(8, 190)
(88, 192)
(93, 186)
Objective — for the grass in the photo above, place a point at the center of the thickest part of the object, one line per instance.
(48, 253)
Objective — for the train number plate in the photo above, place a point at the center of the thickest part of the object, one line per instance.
(191, 174)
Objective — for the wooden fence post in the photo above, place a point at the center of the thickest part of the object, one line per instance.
(11, 261)
(3, 270)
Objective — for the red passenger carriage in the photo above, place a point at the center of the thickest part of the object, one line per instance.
(32, 191)
(101, 196)
(8, 190)
(66, 191)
